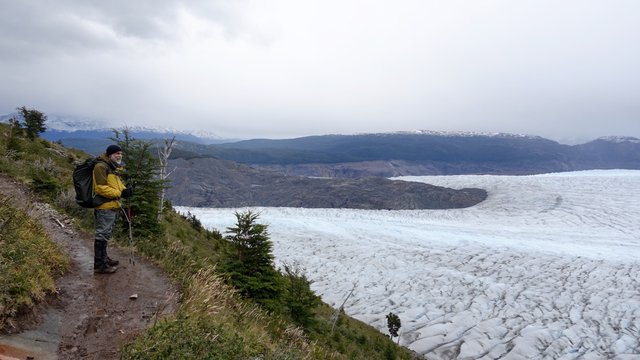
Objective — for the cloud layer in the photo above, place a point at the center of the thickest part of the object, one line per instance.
(286, 68)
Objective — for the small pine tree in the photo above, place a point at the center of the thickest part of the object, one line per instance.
(393, 324)
(299, 300)
(33, 122)
(141, 173)
(249, 263)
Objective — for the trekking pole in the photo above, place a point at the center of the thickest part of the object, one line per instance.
(127, 215)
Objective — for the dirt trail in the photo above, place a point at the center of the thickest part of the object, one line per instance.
(92, 315)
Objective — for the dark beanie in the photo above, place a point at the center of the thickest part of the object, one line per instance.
(112, 149)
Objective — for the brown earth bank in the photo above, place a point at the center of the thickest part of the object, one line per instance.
(91, 316)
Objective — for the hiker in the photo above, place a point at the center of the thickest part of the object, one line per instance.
(107, 183)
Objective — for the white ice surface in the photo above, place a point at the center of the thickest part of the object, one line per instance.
(546, 268)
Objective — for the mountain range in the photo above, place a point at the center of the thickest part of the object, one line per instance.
(422, 153)
(349, 171)
(386, 154)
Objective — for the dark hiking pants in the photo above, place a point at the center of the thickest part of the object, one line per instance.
(105, 222)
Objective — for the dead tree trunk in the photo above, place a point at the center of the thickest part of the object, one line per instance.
(163, 156)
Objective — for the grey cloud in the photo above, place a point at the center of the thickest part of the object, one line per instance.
(299, 67)
(31, 29)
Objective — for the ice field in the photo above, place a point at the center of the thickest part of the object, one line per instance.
(548, 267)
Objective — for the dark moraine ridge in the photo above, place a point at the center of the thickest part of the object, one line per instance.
(211, 182)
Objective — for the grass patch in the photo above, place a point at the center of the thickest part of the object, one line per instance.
(29, 263)
(215, 323)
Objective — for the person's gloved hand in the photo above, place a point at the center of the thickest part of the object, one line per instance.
(127, 193)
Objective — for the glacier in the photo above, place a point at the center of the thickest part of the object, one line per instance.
(546, 268)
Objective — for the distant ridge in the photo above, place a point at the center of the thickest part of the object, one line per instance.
(62, 124)
(457, 134)
(93, 135)
(428, 153)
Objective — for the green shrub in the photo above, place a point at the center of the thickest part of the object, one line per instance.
(249, 262)
(44, 183)
(299, 300)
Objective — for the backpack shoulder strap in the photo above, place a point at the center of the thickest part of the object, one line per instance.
(103, 166)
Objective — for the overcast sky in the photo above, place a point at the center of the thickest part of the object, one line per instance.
(568, 70)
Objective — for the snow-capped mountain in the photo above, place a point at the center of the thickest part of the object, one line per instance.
(620, 139)
(470, 134)
(60, 127)
(73, 124)
(64, 123)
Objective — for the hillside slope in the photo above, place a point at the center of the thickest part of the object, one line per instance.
(92, 316)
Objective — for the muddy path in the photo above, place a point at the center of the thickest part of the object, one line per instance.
(92, 315)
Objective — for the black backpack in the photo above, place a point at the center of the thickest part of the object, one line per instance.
(83, 184)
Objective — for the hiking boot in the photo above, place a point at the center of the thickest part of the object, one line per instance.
(105, 270)
(112, 262)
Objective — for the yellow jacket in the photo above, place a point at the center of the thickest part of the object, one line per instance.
(107, 182)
